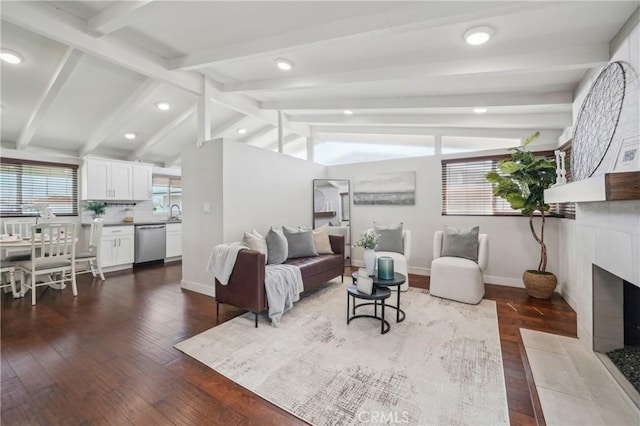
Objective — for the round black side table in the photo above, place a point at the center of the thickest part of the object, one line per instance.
(379, 296)
(397, 280)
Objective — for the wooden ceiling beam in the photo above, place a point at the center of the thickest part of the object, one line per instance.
(507, 121)
(484, 132)
(117, 16)
(162, 133)
(453, 101)
(65, 68)
(583, 57)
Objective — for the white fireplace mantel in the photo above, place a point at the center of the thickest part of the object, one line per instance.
(607, 187)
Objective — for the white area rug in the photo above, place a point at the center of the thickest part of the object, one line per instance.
(441, 366)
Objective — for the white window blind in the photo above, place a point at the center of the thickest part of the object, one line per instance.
(25, 182)
(465, 190)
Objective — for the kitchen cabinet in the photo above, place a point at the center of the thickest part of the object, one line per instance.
(117, 246)
(142, 181)
(116, 180)
(174, 239)
(107, 180)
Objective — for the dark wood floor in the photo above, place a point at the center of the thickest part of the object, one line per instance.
(107, 356)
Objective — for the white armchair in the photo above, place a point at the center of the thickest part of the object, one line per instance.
(456, 278)
(400, 261)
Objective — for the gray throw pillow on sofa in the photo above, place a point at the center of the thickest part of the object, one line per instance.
(277, 246)
(390, 238)
(300, 242)
(460, 243)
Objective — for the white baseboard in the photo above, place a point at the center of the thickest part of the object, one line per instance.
(208, 290)
(505, 281)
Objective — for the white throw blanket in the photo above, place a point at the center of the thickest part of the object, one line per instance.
(283, 285)
(222, 260)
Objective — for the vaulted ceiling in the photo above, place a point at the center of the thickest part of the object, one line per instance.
(94, 70)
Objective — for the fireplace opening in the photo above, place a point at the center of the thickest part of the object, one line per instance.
(616, 329)
(627, 358)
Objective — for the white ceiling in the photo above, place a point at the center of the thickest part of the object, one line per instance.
(94, 70)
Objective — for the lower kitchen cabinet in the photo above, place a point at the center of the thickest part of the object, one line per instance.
(117, 246)
(174, 240)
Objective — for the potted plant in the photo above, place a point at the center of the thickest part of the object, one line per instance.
(368, 240)
(96, 207)
(522, 181)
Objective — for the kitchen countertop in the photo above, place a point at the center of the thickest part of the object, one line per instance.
(155, 222)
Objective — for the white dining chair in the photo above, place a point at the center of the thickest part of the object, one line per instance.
(8, 269)
(90, 258)
(17, 227)
(53, 252)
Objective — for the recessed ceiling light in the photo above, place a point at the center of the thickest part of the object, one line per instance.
(347, 112)
(242, 131)
(163, 105)
(284, 64)
(130, 135)
(479, 110)
(478, 35)
(10, 56)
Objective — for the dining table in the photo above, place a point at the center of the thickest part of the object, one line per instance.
(8, 246)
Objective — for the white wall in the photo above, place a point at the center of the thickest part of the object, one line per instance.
(604, 233)
(248, 188)
(512, 248)
(201, 183)
(263, 188)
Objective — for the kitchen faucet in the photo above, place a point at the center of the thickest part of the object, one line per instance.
(174, 217)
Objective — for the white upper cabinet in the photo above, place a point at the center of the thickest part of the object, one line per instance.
(142, 181)
(115, 180)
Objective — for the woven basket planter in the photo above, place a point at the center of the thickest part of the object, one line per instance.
(539, 285)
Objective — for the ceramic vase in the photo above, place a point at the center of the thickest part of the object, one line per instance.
(369, 258)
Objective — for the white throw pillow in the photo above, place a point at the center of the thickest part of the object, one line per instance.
(321, 240)
(256, 242)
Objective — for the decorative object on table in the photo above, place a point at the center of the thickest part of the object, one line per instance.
(364, 283)
(385, 268)
(368, 241)
(524, 178)
(320, 358)
(385, 188)
(597, 122)
(627, 156)
(561, 171)
(96, 207)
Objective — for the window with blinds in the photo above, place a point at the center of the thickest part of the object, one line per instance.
(24, 182)
(465, 190)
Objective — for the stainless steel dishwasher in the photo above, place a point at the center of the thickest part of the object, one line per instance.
(150, 243)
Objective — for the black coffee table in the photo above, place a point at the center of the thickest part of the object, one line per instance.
(379, 296)
(397, 280)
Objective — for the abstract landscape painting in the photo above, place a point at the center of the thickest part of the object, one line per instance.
(385, 188)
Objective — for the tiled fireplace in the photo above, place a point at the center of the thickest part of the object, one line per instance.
(616, 327)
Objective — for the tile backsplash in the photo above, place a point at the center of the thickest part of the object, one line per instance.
(141, 212)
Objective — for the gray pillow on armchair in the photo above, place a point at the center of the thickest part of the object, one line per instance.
(390, 238)
(460, 243)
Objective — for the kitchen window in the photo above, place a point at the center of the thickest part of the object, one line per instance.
(25, 182)
(166, 192)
